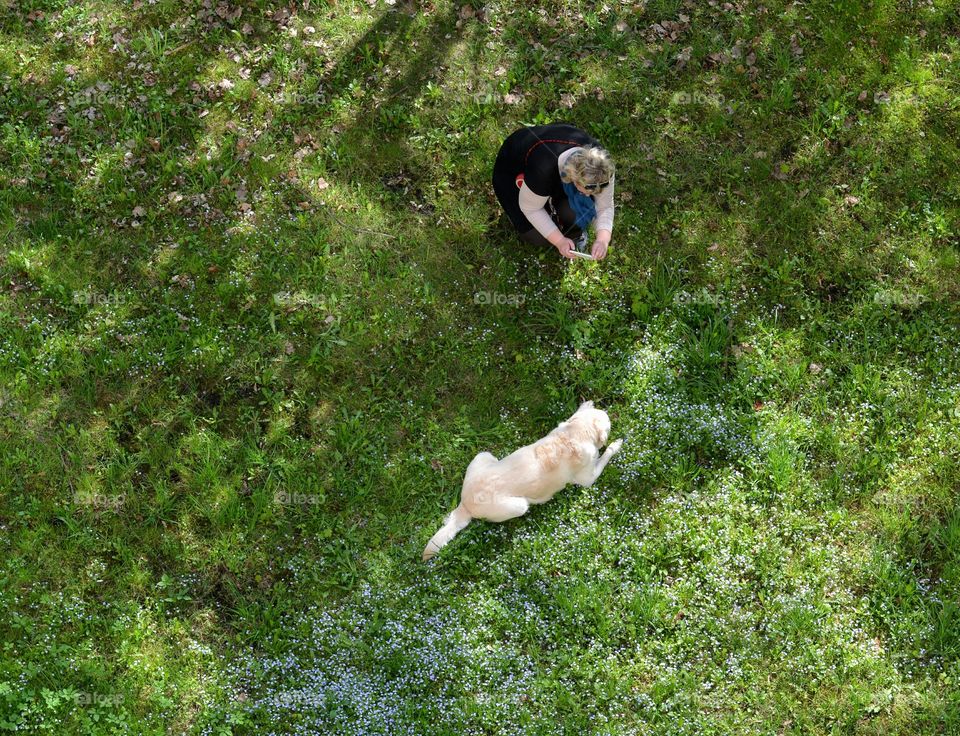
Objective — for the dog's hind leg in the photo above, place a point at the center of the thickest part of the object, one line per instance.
(588, 476)
(501, 508)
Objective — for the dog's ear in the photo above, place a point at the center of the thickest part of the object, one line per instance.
(601, 430)
(586, 405)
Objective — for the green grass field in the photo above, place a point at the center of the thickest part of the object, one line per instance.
(258, 311)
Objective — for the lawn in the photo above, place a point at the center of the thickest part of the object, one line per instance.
(258, 311)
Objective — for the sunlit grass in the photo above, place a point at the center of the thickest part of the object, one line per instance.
(258, 313)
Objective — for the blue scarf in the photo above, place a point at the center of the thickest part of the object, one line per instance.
(582, 205)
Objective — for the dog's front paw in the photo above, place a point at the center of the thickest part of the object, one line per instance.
(615, 446)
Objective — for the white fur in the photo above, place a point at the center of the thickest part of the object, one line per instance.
(498, 490)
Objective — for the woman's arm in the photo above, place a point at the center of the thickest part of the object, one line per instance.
(533, 207)
(604, 202)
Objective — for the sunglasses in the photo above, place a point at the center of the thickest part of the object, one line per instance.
(595, 187)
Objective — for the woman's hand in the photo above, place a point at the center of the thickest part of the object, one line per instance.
(565, 246)
(599, 249)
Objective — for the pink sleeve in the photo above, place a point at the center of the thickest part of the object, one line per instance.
(532, 205)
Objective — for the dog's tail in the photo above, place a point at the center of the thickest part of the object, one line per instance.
(457, 520)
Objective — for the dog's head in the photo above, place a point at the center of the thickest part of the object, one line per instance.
(593, 424)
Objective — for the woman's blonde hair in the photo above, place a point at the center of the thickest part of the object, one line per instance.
(589, 165)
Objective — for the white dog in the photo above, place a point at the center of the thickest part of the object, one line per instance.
(497, 490)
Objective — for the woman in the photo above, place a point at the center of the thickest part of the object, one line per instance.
(553, 181)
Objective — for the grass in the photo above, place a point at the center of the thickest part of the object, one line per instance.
(259, 311)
